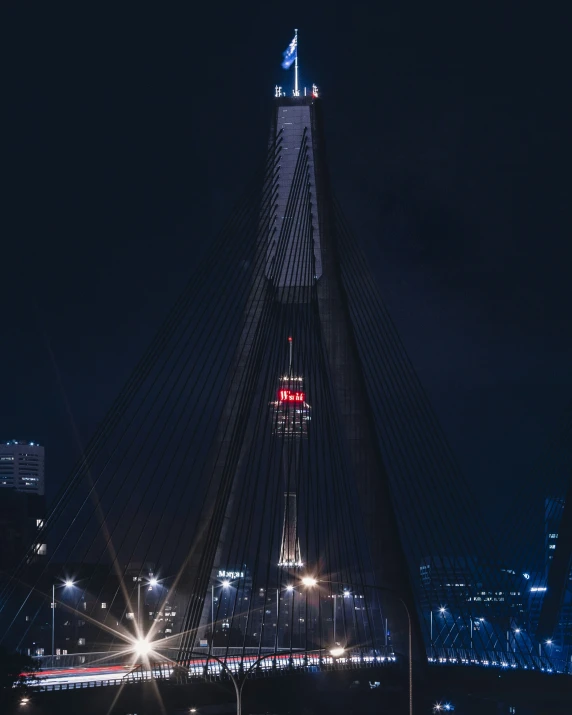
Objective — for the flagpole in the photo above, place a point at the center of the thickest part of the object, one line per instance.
(296, 65)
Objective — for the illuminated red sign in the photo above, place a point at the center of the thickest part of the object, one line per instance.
(291, 396)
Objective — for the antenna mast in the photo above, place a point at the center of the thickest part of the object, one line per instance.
(290, 368)
(296, 92)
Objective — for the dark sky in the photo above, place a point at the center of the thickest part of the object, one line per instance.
(130, 133)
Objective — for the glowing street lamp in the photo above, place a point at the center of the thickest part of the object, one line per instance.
(310, 581)
(442, 611)
(153, 581)
(225, 584)
(68, 583)
(337, 652)
(142, 647)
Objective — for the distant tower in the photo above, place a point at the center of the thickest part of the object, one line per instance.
(290, 417)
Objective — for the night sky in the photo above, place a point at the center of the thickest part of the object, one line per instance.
(130, 133)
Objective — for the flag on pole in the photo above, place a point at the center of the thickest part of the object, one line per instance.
(290, 54)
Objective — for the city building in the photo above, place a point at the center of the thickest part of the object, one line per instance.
(22, 466)
(553, 510)
(95, 611)
(22, 502)
(462, 599)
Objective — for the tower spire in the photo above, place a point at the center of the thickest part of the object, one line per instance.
(290, 374)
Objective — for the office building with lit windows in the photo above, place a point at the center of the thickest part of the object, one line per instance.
(22, 466)
(22, 501)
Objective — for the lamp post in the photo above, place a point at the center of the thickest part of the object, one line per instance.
(289, 589)
(548, 642)
(240, 682)
(66, 584)
(224, 584)
(310, 581)
(441, 611)
(151, 582)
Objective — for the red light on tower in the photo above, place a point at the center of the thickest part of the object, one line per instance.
(291, 396)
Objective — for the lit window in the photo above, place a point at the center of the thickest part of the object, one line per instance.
(129, 616)
(81, 641)
(103, 604)
(39, 523)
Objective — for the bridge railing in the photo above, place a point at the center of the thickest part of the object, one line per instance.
(497, 659)
(82, 660)
(236, 655)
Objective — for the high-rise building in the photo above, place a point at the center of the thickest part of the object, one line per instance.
(22, 501)
(22, 466)
(553, 510)
(553, 513)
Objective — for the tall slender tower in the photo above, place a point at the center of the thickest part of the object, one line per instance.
(290, 418)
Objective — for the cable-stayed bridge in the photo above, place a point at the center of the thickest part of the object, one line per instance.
(272, 490)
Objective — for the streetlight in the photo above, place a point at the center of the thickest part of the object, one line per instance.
(224, 584)
(67, 584)
(151, 582)
(441, 611)
(289, 589)
(142, 647)
(239, 684)
(310, 581)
